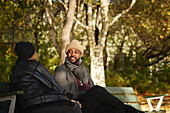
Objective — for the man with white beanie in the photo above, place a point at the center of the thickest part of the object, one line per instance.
(74, 64)
(75, 79)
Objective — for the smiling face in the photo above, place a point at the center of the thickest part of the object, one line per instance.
(73, 55)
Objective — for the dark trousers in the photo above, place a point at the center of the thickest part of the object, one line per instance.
(99, 100)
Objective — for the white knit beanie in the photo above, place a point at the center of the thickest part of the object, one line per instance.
(75, 44)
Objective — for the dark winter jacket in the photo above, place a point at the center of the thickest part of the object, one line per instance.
(38, 84)
(65, 76)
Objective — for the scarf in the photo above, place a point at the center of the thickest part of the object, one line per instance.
(79, 71)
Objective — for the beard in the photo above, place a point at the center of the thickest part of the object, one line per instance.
(75, 62)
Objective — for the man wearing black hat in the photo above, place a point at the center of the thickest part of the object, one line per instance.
(42, 94)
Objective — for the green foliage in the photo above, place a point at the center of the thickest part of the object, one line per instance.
(24, 21)
(141, 79)
(6, 15)
(144, 42)
(7, 60)
(115, 79)
(161, 77)
(48, 55)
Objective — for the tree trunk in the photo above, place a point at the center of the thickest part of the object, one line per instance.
(97, 65)
(97, 46)
(65, 36)
(52, 32)
(55, 43)
(66, 29)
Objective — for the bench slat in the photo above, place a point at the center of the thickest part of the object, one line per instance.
(127, 98)
(11, 93)
(126, 95)
(156, 96)
(161, 111)
(135, 105)
(120, 90)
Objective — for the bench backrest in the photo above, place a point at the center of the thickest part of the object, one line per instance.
(126, 95)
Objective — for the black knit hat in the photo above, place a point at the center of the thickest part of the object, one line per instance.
(24, 50)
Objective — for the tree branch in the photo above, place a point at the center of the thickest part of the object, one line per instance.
(123, 12)
(75, 19)
(82, 25)
(157, 60)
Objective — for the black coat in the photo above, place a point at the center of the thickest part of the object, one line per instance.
(38, 84)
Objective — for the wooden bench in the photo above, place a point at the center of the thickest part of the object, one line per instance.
(7, 98)
(128, 96)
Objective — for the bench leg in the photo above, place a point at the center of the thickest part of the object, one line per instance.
(12, 103)
(150, 105)
(158, 105)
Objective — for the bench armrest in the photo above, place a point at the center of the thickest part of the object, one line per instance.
(156, 96)
(11, 93)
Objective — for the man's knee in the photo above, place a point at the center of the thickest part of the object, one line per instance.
(97, 88)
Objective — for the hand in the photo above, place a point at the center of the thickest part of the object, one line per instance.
(77, 103)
